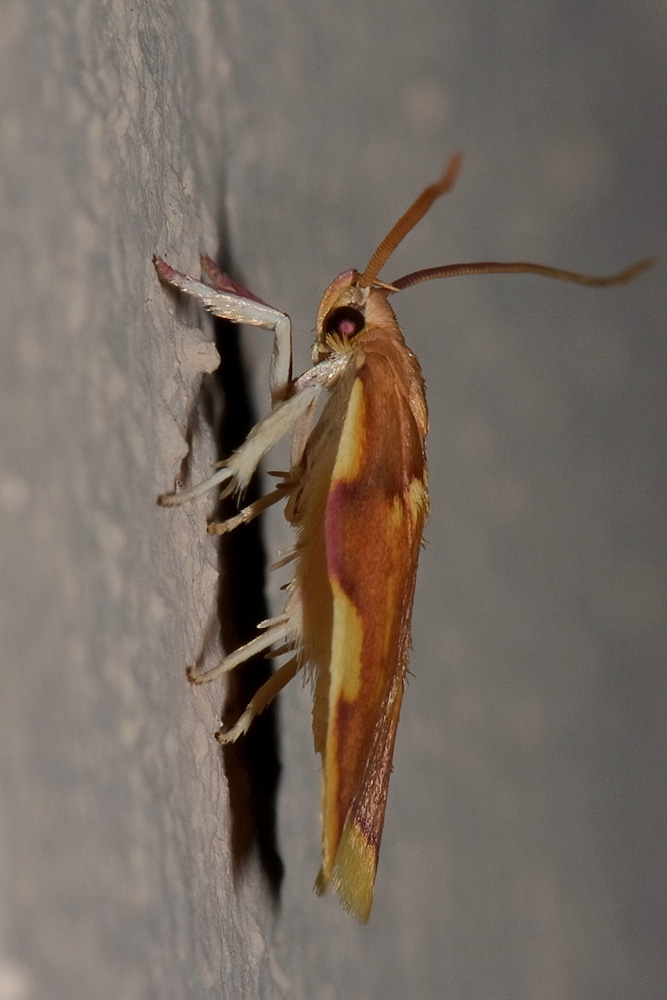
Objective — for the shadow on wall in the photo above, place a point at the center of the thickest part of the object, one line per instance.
(252, 764)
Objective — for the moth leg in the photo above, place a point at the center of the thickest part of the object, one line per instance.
(284, 557)
(279, 630)
(325, 374)
(176, 499)
(261, 700)
(239, 309)
(248, 513)
(237, 470)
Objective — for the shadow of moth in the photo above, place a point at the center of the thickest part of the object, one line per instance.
(356, 494)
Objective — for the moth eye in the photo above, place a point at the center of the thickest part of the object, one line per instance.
(346, 321)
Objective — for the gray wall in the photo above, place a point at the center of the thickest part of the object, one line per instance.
(523, 854)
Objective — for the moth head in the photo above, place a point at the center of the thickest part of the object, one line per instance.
(341, 315)
(353, 300)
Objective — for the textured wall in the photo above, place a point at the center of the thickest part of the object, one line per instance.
(523, 854)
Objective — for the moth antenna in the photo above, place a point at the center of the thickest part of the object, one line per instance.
(409, 220)
(524, 267)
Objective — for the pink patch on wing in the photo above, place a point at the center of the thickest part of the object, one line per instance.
(337, 500)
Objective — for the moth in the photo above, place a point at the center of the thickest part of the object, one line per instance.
(356, 494)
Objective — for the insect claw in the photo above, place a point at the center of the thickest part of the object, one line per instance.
(239, 729)
(168, 500)
(222, 527)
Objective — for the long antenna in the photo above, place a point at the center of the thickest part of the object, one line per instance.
(417, 211)
(522, 267)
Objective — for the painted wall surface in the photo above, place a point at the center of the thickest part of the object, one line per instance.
(523, 855)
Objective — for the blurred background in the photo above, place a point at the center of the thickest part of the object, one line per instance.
(524, 848)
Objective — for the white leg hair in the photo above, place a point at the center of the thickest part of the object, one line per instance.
(238, 469)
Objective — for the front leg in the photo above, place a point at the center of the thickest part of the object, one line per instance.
(237, 471)
(229, 304)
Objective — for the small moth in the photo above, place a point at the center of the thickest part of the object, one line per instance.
(356, 493)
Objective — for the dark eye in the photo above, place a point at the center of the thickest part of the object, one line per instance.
(346, 321)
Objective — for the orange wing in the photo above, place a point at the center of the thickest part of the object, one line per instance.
(373, 522)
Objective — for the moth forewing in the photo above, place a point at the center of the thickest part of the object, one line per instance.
(359, 510)
(356, 493)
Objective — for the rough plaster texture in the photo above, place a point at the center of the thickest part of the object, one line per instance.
(523, 855)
